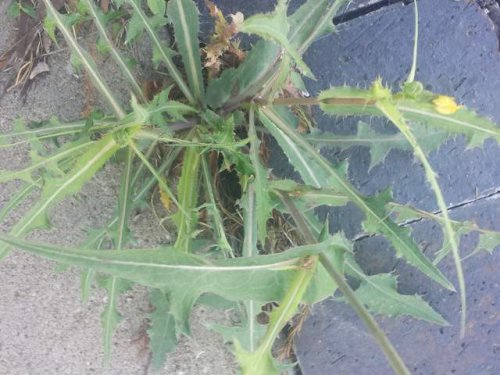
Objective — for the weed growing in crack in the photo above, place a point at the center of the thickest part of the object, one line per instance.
(209, 126)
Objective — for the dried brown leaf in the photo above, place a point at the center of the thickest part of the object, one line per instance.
(220, 42)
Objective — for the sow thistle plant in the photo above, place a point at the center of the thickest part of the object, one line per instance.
(212, 120)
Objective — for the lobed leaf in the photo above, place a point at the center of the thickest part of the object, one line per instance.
(307, 167)
(274, 27)
(418, 109)
(56, 189)
(311, 21)
(310, 197)
(161, 332)
(240, 332)
(379, 293)
(114, 285)
(377, 220)
(185, 276)
(163, 110)
(379, 144)
(475, 128)
(158, 7)
(252, 332)
(388, 108)
(261, 361)
(488, 239)
(47, 164)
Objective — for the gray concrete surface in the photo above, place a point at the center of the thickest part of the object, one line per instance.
(44, 326)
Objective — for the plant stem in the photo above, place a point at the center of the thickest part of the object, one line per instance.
(390, 352)
(379, 335)
(315, 101)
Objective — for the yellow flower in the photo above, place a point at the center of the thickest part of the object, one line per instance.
(445, 105)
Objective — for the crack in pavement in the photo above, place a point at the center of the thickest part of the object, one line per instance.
(494, 194)
(364, 10)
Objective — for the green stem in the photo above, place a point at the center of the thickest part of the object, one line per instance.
(217, 218)
(379, 335)
(413, 70)
(393, 114)
(156, 174)
(169, 63)
(390, 352)
(85, 59)
(114, 52)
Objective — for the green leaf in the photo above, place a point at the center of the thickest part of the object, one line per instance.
(140, 22)
(50, 129)
(56, 189)
(377, 221)
(110, 318)
(475, 128)
(389, 109)
(274, 27)
(21, 194)
(14, 10)
(46, 164)
(252, 331)
(183, 15)
(186, 219)
(86, 280)
(161, 105)
(312, 174)
(185, 276)
(310, 22)
(212, 208)
(238, 84)
(418, 110)
(114, 285)
(313, 20)
(240, 332)
(379, 293)
(99, 21)
(310, 197)
(379, 144)
(488, 239)
(263, 205)
(84, 58)
(261, 361)
(157, 7)
(161, 332)
(322, 285)
(121, 230)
